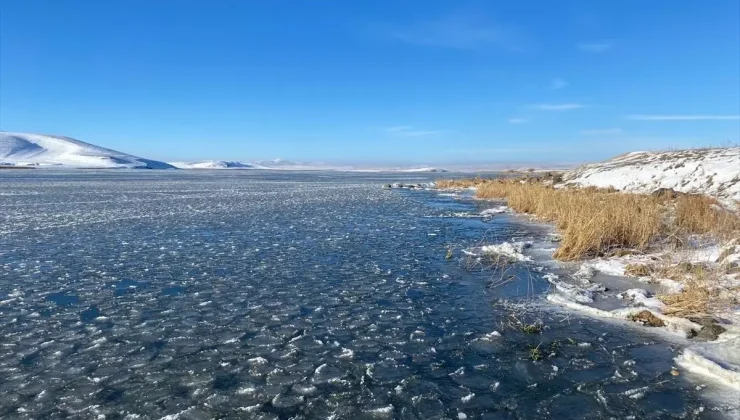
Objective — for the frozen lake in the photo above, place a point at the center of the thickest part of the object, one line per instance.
(247, 294)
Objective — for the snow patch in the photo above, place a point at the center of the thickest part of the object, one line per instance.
(512, 250)
(719, 361)
(346, 354)
(641, 297)
(612, 266)
(495, 210)
(467, 398)
(575, 293)
(381, 412)
(676, 326)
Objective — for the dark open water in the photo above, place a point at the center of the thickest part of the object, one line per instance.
(241, 294)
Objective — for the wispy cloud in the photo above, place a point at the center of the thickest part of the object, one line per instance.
(594, 47)
(420, 133)
(682, 117)
(481, 151)
(460, 31)
(602, 132)
(410, 131)
(558, 107)
(397, 128)
(558, 83)
(518, 120)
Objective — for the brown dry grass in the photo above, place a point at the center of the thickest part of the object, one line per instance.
(592, 221)
(697, 298)
(703, 215)
(460, 183)
(595, 222)
(697, 294)
(702, 292)
(638, 270)
(647, 318)
(693, 300)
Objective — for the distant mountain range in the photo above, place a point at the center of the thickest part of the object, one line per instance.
(277, 164)
(41, 150)
(285, 165)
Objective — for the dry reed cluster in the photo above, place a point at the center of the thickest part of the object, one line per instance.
(596, 222)
(702, 293)
(591, 222)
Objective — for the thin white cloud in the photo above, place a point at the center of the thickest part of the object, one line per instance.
(518, 120)
(602, 132)
(410, 131)
(558, 107)
(420, 133)
(682, 117)
(558, 83)
(594, 47)
(528, 150)
(460, 31)
(398, 128)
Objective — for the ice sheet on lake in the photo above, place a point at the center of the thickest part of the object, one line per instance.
(193, 295)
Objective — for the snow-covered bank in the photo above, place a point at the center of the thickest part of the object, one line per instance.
(715, 172)
(714, 366)
(717, 361)
(634, 288)
(23, 149)
(674, 325)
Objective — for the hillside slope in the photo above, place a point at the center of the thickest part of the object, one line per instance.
(213, 164)
(23, 149)
(715, 172)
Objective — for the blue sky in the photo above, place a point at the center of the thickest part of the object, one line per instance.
(375, 81)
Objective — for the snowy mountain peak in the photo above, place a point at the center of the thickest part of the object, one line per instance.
(24, 149)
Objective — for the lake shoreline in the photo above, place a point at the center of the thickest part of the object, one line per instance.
(713, 339)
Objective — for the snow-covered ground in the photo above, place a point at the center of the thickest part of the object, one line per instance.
(22, 149)
(717, 361)
(714, 172)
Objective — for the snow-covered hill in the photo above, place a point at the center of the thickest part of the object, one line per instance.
(423, 170)
(22, 149)
(284, 165)
(233, 164)
(214, 164)
(715, 172)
